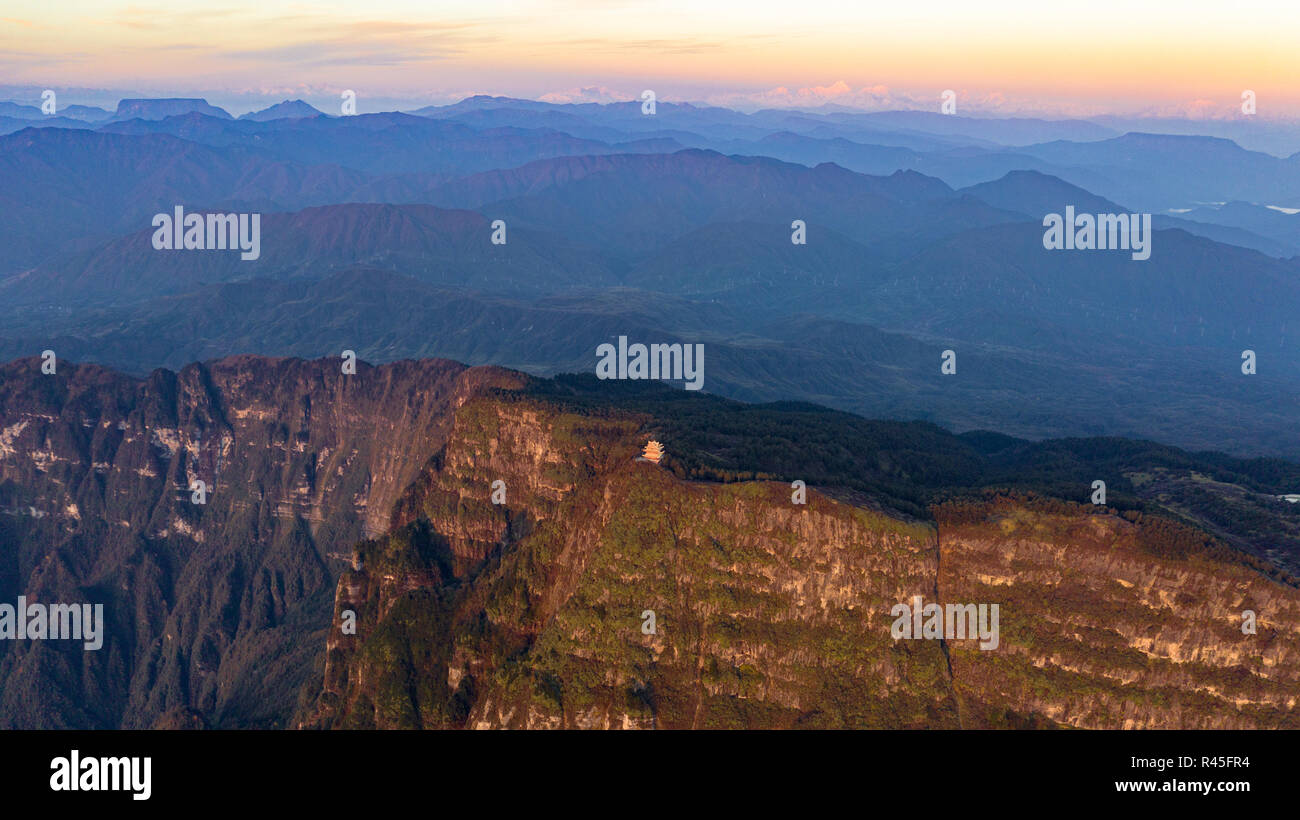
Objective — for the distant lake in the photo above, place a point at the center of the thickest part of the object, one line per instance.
(1291, 211)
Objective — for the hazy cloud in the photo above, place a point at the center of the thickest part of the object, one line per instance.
(590, 94)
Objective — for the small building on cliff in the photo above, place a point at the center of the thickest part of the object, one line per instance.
(653, 452)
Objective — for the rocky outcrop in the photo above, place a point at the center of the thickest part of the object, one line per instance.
(612, 594)
(424, 545)
(1103, 628)
(219, 607)
(606, 592)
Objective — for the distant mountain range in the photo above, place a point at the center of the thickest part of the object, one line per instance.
(287, 110)
(898, 266)
(445, 247)
(880, 318)
(146, 109)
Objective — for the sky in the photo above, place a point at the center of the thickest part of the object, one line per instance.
(1169, 57)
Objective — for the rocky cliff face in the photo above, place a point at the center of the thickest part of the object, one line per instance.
(1103, 626)
(766, 613)
(212, 609)
(425, 545)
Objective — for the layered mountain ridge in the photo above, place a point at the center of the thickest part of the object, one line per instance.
(769, 613)
(375, 493)
(208, 605)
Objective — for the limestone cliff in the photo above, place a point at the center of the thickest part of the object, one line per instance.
(535, 612)
(1102, 630)
(428, 545)
(209, 606)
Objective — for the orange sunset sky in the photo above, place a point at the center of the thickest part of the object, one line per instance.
(1101, 56)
